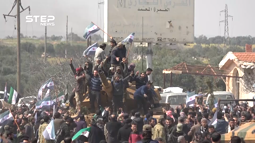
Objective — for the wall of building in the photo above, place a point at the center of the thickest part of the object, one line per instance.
(245, 83)
(231, 82)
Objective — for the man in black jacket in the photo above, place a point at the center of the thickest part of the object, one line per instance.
(125, 131)
(118, 85)
(113, 127)
(113, 43)
(65, 129)
(139, 122)
(117, 54)
(95, 134)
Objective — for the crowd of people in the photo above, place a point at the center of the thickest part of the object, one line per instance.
(180, 125)
(114, 124)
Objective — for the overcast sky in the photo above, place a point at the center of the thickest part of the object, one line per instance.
(81, 12)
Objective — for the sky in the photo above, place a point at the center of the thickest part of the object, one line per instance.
(82, 12)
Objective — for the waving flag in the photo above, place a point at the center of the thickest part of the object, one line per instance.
(47, 93)
(5, 116)
(91, 50)
(49, 132)
(47, 101)
(6, 97)
(91, 29)
(129, 39)
(214, 119)
(189, 94)
(190, 101)
(13, 96)
(60, 97)
(49, 84)
(84, 132)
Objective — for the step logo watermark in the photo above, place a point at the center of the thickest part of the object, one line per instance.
(44, 20)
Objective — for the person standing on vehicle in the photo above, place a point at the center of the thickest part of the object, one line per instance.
(118, 85)
(80, 79)
(95, 88)
(141, 95)
(117, 55)
(100, 53)
(113, 43)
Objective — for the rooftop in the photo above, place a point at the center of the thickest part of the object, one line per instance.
(245, 56)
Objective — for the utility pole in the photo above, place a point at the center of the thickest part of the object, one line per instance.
(45, 44)
(18, 47)
(149, 54)
(142, 44)
(66, 35)
(226, 29)
(18, 3)
(71, 36)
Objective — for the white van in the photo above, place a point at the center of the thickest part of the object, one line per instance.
(174, 99)
(222, 95)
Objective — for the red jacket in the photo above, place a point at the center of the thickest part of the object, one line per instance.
(134, 137)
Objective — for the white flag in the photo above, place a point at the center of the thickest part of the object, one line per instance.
(49, 132)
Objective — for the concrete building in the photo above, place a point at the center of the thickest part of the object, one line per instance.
(242, 66)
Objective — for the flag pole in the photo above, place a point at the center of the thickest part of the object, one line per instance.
(103, 30)
(129, 49)
(14, 119)
(5, 94)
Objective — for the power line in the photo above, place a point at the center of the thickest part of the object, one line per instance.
(226, 28)
(18, 3)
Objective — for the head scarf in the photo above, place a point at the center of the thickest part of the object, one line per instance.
(169, 114)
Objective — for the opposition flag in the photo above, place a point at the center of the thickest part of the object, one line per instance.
(6, 97)
(13, 96)
(91, 50)
(49, 84)
(47, 93)
(60, 97)
(49, 132)
(214, 119)
(47, 101)
(189, 94)
(82, 132)
(190, 101)
(91, 29)
(5, 116)
(129, 39)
